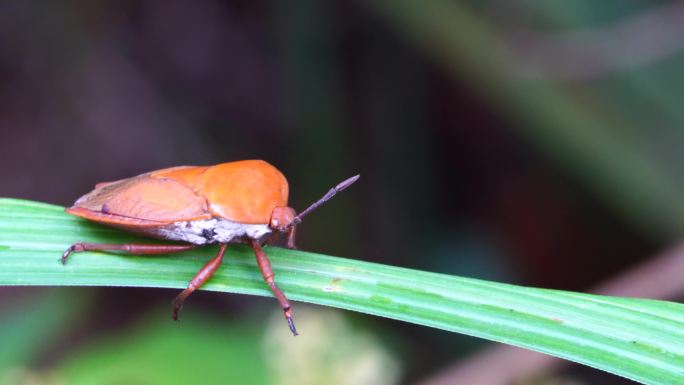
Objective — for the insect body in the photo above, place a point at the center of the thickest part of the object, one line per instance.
(235, 202)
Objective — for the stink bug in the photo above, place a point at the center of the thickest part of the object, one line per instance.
(235, 202)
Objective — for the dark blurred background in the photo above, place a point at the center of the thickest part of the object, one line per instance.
(530, 142)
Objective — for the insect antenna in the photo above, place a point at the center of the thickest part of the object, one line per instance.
(340, 186)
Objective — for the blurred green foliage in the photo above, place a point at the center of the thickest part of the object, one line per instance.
(155, 352)
(208, 350)
(603, 135)
(36, 320)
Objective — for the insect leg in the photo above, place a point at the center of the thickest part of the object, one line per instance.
(198, 280)
(267, 272)
(132, 248)
(291, 238)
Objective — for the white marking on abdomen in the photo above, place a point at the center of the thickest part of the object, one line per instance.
(215, 230)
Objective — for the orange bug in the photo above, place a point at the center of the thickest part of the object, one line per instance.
(235, 202)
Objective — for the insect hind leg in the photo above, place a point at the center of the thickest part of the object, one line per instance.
(131, 248)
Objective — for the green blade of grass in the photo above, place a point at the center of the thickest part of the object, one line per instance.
(635, 338)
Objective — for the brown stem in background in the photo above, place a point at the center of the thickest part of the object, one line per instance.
(649, 36)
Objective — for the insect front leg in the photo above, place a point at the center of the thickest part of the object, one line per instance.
(291, 238)
(269, 277)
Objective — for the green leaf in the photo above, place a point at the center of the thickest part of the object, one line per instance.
(635, 338)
